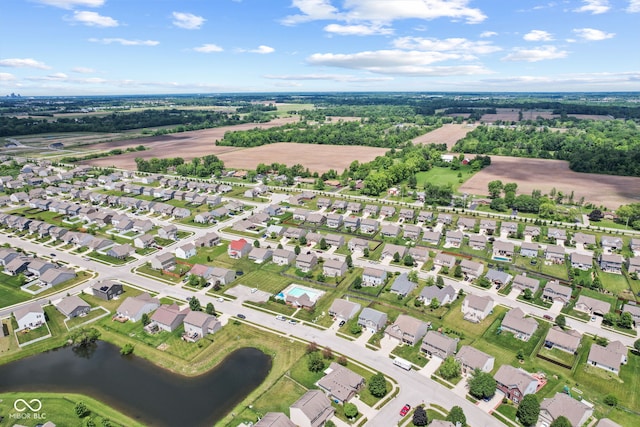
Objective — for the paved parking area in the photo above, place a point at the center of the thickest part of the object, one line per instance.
(244, 293)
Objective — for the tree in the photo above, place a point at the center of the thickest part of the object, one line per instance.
(342, 360)
(126, 349)
(626, 320)
(561, 321)
(355, 329)
(413, 276)
(296, 249)
(81, 409)
(323, 244)
(194, 304)
(610, 400)
(350, 410)
(210, 309)
(561, 421)
(106, 422)
(450, 368)
(145, 319)
(315, 362)
(90, 423)
(377, 385)
(595, 215)
(303, 240)
(510, 187)
(312, 347)
(420, 417)
(365, 252)
(528, 410)
(408, 260)
(348, 260)
(636, 345)
(396, 257)
(329, 423)
(495, 188)
(434, 304)
(256, 243)
(457, 271)
(520, 355)
(527, 294)
(481, 384)
(357, 282)
(456, 415)
(84, 336)
(440, 281)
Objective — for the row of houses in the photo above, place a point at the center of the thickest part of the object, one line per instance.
(48, 274)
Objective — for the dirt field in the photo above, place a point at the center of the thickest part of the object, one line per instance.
(529, 174)
(448, 134)
(187, 145)
(318, 158)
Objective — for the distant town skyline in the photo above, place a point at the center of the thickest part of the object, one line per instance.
(112, 47)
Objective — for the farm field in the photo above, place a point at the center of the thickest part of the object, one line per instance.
(447, 134)
(542, 174)
(318, 158)
(187, 145)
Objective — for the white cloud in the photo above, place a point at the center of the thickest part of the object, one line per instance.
(125, 42)
(536, 54)
(460, 45)
(414, 63)
(208, 48)
(358, 30)
(70, 4)
(188, 21)
(93, 19)
(538, 36)
(83, 70)
(262, 49)
(486, 34)
(592, 34)
(331, 77)
(596, 7)
(634, 6)
(23, 63)
(384, 11)
(5, 77)
(582, 79)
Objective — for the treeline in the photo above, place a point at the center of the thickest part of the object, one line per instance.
(204, 167)
(120, 121)
(114, 152)
(382, 134)
(607, 147)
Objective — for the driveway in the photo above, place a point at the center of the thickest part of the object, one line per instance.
(243, 293)
(364, 337)
(431, 367)
(461, 389)
(513, 295)
(556, 307)
(489, 406)
(387, 344)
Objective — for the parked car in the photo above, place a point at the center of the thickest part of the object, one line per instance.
(293, 322)
(341, 324)
(281, 317)
(405, 410)
(241, 316)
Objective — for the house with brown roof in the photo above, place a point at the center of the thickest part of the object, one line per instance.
(311, 410)
(341, 383)
(390, 250)
(515, 383)
(208, 240)
(306, 262)
(476, 308)
(407, 329)
(554, 291)
(471, 269)
(609, 358)
(562, 404)
(439, 345)
(611, 263)
(567, 341)
(168, 317)
(592, 306)
(529, 249)
(518, 324)
(334, 268)
(471, 359)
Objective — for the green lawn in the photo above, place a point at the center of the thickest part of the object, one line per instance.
(615, 283)
(10, 292)
(411, 353)
(113, 304)
(555, 270)
(24, 336)
(444, 176)
(287, 391)
(90, 317)
(147, 270)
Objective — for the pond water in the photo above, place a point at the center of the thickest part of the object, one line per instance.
(138, 388)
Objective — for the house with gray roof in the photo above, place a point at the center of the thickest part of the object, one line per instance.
(555, 254)
(453, 238)
(372, 209)
(407, 329)
(557, 234)
(55, 276)
(73, 306)
(283, 256)
(503, 249)
(311, 410)
(260, 255)
(611, 243)
(634, 310)
(373, 276)
(411, 232)
(466, 223)
(402, 285)
(554, 291)
(581, 261)
(471, 269)
(611, 263)
(274, 419)
(444, 295)
(166, 261)
(387, 211)
(445, 260)
(516, 322)
(471, 359)
(497, 277)
(372, 320)
(340, 383)
(168, 317)
(445, 218)
(439, 345)
(562, 404)
(567, 341)
(334, 268)
(634, 265)
(431, 237)
(609, 357)
(343, 309)
(368, 226)
(523, 282)
(107, 289)
(390, 250)
(306, 262)
(531, 230)
(132, 308)
(476, 308)
(515, 383)
(478, 241)
(511, 228)
(584, 239)
(592, 306)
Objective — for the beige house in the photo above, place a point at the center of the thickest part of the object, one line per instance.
(407, 329)
(471, 358)
(564, 405)
(341, 383)
(311, 410)
(476, 308)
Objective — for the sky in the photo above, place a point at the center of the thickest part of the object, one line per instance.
(95, 47)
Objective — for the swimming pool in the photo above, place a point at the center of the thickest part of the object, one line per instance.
(296, 291)
(501, 258)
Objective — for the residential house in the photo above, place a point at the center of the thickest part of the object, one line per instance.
(334, 220)
(168, 317)
(260, 255)
(555, 254)
(164, 261)
(402, 286)
(471, 359)
(204, 218)
(444, 295)
(283, 256)
(323, 202)
(73, 306)
(584, 239)
(432, 237)
(520, 326)
(561, 404)
(411, 232)
(29, 316)
(132, 308)
(334, 268)
(387, 211)
(372, 320)
(606, 422)
(145, 225)
(342, 309)
(169, 232)
(186, 251)
(611, 243)
(487, 226)
(634, 244)
(373, 276)
(197, 324)
(372, 210)
(390, 250)
(532, 231)
(273, 210)
(55, 276)
(634, 310)
(609, 358)
(471, 269)
(37, 267)
(419, 253)
(355, 207)
(476, 308)
(634, 265)
(425, 216)
(221, 276)
(311, 410)
(503, 249)
(335, 240)
(554, 291)
(201, 270)
(107, 290)
(557, 234)
(306, 262)
(121, 251)
(274, 419)
(611, 263)
(515, 383)
(339, 205)
(444, 218)
(453, 238)
(208, 240)
(478, 241)
(368, 226)
(407, 214)
(497, 277)
(466, 223)
(300, 214)
(581, 261)
(407, 329)
(144, 241)
(358, 244)
(592, 306)
(316, 219)
(351, 223)
(439, 345)
(238, 248)
(274, 231)
(294, 233)
(390, 230)
(510, 228)
(340, 383)
(567, 341)
(523, 282)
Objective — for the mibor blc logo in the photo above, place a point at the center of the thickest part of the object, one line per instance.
(28, 409)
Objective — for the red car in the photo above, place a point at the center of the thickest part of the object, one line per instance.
(405, 410)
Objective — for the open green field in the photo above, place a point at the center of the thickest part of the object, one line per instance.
(10, 292)
(444, 176)
(617, 284)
